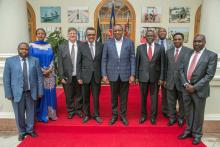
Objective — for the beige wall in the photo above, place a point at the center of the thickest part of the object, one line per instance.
(137, 5)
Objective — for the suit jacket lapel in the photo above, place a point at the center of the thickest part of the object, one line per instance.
(18, 61)
(96, 49)
(114, 47)
(123, 45)
(89, 51)
(202, 57)
(67, 50)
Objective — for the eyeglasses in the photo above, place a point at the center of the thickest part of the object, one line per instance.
(90, 34)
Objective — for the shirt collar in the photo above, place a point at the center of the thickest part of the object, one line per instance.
(201, 51)
(119, 41)
(21, 59)
(70, 43)
(152, 44)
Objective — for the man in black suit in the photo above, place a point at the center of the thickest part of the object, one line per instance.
(89, 73)
(172, 80)
(197, 71)
(167, 44)
(67, 54)
(149, 73)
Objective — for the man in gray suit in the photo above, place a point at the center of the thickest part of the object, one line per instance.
(149, 73)
(197, 71)
(23, 84)
(89, 73)
(172, 80)
(118, 67)
(67, 56)
(167, 44)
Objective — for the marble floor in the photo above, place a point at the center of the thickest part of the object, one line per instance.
(10, 139)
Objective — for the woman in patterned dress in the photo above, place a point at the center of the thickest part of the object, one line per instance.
(46, 106)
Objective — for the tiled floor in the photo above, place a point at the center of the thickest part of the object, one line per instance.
(10, 139)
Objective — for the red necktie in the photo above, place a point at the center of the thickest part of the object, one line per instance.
(192, 66)
(176, 55)
(149, 53)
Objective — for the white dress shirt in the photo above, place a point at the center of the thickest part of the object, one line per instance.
(178, 52)
(93, 46)
(76, 51)
(198, 57)
(152, 47)
(118, 44)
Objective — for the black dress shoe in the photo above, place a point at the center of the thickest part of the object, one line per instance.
(165, 115)
(112, 121)
(32, 134)
(21, 137)
(71, 114)
(85, 119)
(196, 140)
(142, 120)
(79, 113)
(171, 122)
(153, 121)
(98, 119)
(124, 121)
(180, 123)
(184, 136)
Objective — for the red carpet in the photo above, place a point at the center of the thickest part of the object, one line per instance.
(72, 133)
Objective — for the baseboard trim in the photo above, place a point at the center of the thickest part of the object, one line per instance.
(7, 115)
(212, 117)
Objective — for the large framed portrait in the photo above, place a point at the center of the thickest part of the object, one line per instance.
(179, 15)
(150, 15)
(78, 15)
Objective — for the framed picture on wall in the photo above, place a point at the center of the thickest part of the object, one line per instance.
(150, 15)
(50, 14)
(78, 15)
(179, 15)
(173, 30)
(143, 31)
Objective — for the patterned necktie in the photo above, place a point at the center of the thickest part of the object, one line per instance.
(25, 75)
(149, 53)
(192, 66)
(91, 49)
(73, 56)
(176, 54)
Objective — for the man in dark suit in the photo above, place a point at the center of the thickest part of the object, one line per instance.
(67, 55)
(89, 73)
(118, 67)
(149, 73)
(167, 44)
(172, 80)
(197, 71)
(23, 84)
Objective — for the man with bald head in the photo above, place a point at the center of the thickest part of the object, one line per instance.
(197, 70)
(118, 67)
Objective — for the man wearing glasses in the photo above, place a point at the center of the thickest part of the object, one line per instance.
(89, 73)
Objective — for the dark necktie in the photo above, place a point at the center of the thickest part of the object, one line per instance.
(149, 53)
(91, 49)
(25, 75)
(73, 56)
(192, 66)
(162, 43)
(176, 54)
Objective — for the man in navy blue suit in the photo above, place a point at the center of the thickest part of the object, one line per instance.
(118, 67)
(23, 84)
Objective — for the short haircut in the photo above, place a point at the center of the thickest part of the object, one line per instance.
(72, 29)
(41, 29)
(90, 28)
(178, 33)
(119, 26)
(25, 43)
(150, 31)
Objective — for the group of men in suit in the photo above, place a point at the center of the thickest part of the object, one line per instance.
(182, 73)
